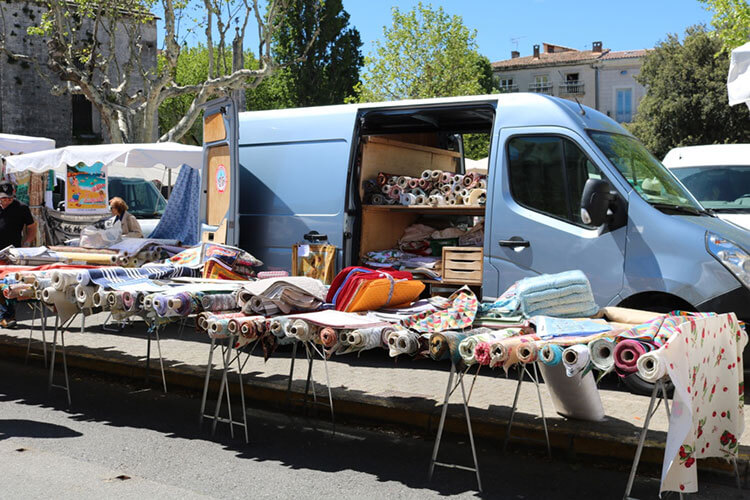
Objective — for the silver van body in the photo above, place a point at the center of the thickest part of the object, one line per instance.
(297, 169)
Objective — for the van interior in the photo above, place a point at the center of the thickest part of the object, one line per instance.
(433, 225)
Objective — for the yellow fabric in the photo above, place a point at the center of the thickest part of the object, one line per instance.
(373, 294)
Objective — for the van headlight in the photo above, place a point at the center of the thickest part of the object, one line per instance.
(732, 256)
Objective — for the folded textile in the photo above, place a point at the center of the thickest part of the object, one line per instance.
(281, 295)
(547, 325)
(565, 294)
(458, 315)
(120, 278)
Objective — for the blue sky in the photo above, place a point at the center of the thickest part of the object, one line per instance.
(504, 25)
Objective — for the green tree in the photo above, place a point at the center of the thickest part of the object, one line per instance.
(731, 21)
(424, 53)
(686, 101)
(331, 69)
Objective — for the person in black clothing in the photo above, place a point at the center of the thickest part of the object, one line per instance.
(17, 228)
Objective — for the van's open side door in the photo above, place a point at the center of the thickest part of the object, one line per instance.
(220, 173)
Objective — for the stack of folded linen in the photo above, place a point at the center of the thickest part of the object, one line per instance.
(281, 295)
(364, 289)
(564, 295)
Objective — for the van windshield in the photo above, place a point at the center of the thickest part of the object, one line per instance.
(143, 199)
(723, 188)
(649, 178)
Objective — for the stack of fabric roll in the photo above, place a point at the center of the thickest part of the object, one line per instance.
(433, 187)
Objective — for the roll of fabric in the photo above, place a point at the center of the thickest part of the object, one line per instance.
(528, 352)
(382, 179)
(445, 177)
(116, 300)
(395, 192)
(234, 325)
(386, 190)
(446, 189)
(426, 175)
(576, 359)
(436, 200)
(301, 330)
(627, 353)
(64, 279)
(651, 368)
(467, 347)
(183, 304)
(362, 339)
(413, 183)
(100, 299)
(128, 299)
(403, 342)
(477, 197)
(377, 199)
(407, 199)
(456, 187)
(445, 345)
(328, 337)
(279, 327)
(482, 184)
(160, 303)
(219, 302)
(402, 181)
(202, 320)
(551, 354)
(218, 328)
(436, 175)
(85, 296)
(420, 200)
(602, 353)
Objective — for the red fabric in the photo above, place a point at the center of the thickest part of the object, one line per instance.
(6, 270)
(358, 273)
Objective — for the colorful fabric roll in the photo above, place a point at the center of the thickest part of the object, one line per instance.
(467, 347)
(219, 302)
(551, 354)
(627, 353)
(328, 337)
(445, 346)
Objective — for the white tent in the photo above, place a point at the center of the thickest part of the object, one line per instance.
(145, 161)
(11, 144)
(476, 166)
(738, 80)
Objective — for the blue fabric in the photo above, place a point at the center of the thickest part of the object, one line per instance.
(565, 295)
(180, 219)
(117, 278)
(7, 309)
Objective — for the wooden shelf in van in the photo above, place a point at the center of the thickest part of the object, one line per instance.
(423, 209)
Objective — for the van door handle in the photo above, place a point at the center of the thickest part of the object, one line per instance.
(514, 242)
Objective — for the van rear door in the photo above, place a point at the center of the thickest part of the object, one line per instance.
(220, 179)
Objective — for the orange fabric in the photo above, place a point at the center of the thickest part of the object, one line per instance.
(373, 294)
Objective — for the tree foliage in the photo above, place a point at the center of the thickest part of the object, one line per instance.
(100, 49)
(686, 100)
(731, 20)
(424, 53)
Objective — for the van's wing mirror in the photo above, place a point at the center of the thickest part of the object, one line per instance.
(595, 201)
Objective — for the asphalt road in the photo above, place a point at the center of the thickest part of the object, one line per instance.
(126, 442)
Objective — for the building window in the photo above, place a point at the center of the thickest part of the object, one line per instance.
(572, 84)
(507, 85)
(82, 120)
(541, 85)
(624, 105)
(547, 175)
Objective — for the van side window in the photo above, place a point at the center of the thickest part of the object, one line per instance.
(547, 174)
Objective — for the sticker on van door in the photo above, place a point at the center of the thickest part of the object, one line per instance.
(221, 178)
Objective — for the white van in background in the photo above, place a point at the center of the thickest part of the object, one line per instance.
(718, 175)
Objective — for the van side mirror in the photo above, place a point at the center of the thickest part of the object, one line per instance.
(595, 201)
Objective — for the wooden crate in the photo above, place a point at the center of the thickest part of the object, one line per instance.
(462, 264)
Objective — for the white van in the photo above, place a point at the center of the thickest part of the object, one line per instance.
(718, 175)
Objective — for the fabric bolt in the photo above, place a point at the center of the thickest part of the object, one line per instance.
(565, 295)
(626, 355)
(120, 278)
(704, 362)
(328, 337)
(551, 354)
(361, 340)
(406, 342)
(180, 219)
(467, 347)
(219, 301)
(459, 314)
(505, 352)
(575, 359)
(546, 325)
(445, 346)
(651, 368)
(302, 330)
(659, 329)
(602, 354)
(528, 352)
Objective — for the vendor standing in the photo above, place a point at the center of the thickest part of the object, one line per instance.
(17, 228)
(130, 226)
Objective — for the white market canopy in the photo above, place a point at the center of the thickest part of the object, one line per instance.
(11, 144)
(738, 80)
(145, 161)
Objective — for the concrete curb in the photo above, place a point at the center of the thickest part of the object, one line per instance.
(569, 437)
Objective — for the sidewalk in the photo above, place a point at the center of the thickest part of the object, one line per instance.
(372, 388)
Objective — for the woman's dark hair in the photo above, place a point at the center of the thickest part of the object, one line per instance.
(118, 204)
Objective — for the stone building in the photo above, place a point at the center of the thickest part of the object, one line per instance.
(599, 78)
(27, 106)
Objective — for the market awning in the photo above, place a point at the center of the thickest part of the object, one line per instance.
(11, 144)
(129, 160)
(738, 80)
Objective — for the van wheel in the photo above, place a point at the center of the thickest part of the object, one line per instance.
(637, 385)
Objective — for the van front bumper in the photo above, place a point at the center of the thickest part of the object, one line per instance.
(736, 301)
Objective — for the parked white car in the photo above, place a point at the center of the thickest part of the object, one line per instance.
(718, 176)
